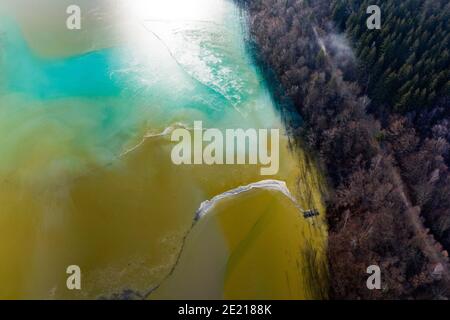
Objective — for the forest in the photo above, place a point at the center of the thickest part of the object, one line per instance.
(375, 111)
(408, 58)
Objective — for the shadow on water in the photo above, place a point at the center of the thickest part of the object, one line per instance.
(282, 102)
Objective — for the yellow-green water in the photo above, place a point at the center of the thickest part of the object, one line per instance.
(80, 185)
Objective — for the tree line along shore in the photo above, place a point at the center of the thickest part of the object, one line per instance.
(375, 111)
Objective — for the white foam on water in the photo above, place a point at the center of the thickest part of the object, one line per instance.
(274, 185)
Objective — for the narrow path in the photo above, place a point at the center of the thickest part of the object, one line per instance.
(431, 248)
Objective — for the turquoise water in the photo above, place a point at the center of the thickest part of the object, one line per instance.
(87, 75)
(90, 107)
(96, 74)
(72, 106)
(111, 72)
(99, 102)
